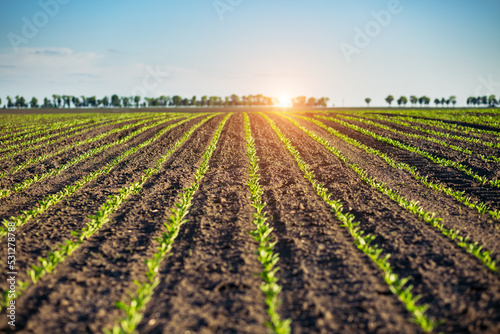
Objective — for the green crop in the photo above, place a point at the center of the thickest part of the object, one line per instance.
(47, 265)
(134, 310)
(263, 235)
(362, 240)
(413, 149)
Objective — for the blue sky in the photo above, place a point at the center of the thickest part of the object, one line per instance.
(271, 47)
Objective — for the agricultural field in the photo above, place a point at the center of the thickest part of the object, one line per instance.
(383, 221)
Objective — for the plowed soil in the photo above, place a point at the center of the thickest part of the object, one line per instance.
(210, 283)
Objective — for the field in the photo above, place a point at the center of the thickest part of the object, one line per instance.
(249, 222)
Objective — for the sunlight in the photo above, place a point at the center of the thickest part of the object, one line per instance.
(284, 101)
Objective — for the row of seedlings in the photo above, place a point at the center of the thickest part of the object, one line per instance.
(57, 140)
(460, 196)
(134, 309)
(483, 180)
(263, 235)
(436, 133)
(70, 190)
(430, 218)
(75, 125)
(362, 240)
(22, 122)
(56, 171)
(41, 139)
(468, 130)
(47, 265)
(43, 157)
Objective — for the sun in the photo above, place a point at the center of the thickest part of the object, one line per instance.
(284, 101)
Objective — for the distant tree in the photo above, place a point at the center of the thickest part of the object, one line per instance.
(368, 100)
(204, 100)
(402, 101)
(443, 101)
(193, 101)
(235, 100)
(311, 102)
(105, 102)
(55, 97)
(84, 101)
(20, 102)
(421, 100)
(34, 102)
(46, 103)
(492, 100)
(453, 100)
(437, 102)
(389, 99)
(126, 101)
(66, 100)
(323, 102)
(163, 100)
(137, 99)
(0, 101)
(427, 100)
(177, 100)
(115, 101)
(413, 99)
(9, 102)
(484, 100)
(299, 101)
(92, 101)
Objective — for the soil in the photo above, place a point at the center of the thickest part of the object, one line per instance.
(210, 283)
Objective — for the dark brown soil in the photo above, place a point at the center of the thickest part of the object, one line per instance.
(210, 283)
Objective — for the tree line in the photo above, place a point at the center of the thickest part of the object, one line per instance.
(489, 101)
(115, 101)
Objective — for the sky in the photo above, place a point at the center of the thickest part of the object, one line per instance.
(344, 50)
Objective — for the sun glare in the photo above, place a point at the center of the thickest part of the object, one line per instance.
(284, 101)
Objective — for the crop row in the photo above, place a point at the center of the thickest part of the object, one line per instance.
(15, 122)
(43, 157)
(39, 139)
(413, 149)
(55, 171)
(460, 196)
(362, 240)
(134, 309)
(263, 235)
(54, 141)
(432, 132)
(448, 126)
(430, 218)
(460, 116)
(76, 124)
(86, 125)
(70, 190)
(47, 265)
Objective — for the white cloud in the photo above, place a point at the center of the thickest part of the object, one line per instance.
(39, 71)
